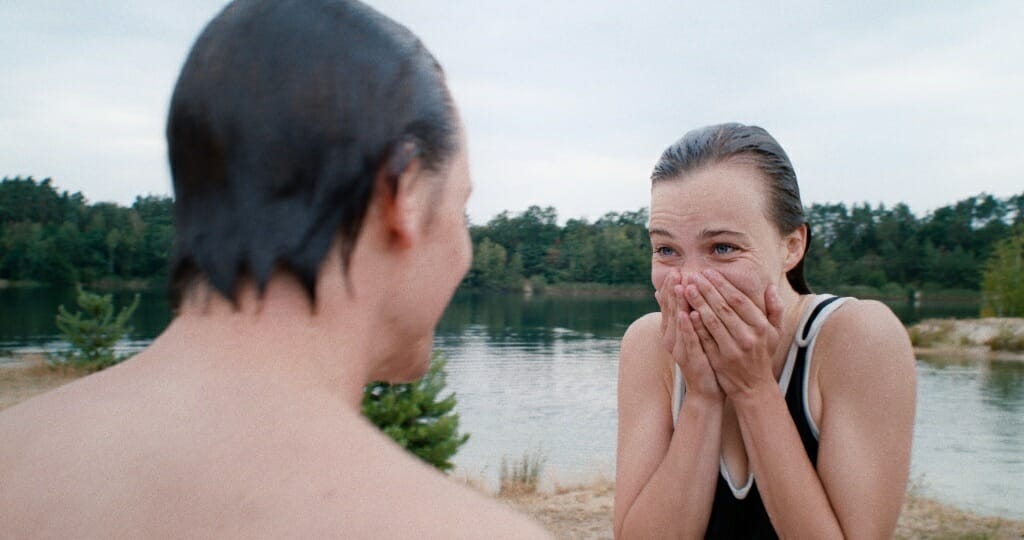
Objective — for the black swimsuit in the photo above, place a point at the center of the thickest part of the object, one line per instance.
(739, 512)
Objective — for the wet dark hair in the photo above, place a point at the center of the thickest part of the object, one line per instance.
(715, 144)
(282, 116)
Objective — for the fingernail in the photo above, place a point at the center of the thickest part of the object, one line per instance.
(691, 291)
(711, 274)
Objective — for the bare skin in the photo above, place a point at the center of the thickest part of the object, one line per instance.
(728, 317)
(244, 423)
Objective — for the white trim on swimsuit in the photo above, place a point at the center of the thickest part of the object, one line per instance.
(679, 390)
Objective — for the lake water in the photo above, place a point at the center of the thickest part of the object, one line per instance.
(539, 375)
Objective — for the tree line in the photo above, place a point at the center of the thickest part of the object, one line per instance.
(54, 237)
(60, 238)
(885, 248)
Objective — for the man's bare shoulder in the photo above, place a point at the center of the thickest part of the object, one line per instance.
(385, 491)
(119, 460)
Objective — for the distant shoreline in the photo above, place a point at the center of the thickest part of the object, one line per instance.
(990, 338)
(105, 284)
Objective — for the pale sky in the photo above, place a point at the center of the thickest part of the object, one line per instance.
(570, 103)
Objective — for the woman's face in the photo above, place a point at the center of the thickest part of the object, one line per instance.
(716, 217)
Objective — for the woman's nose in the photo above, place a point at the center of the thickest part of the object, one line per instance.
(690, 268)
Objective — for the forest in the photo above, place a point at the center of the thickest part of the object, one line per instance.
(52, 237)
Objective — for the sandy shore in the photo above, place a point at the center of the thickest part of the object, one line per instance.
(968, 338)
(28, 377)
(584, 511)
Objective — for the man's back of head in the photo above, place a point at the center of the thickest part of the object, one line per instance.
(281, 117)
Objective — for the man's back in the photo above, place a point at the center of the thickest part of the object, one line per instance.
(149, 450)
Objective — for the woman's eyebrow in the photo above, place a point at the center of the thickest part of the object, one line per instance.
(660, 232)
(711, 233)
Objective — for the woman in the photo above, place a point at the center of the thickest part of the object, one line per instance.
(750, 407)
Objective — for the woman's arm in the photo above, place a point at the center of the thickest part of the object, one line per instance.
(867, 387)
(665, 478)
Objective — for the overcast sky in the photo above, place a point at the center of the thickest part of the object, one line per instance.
(569, 104)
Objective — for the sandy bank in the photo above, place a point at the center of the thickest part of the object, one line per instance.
(993, 338)
(586, 512)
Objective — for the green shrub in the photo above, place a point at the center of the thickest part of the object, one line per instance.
(93, 331)
(1002, 283)
(415, 417)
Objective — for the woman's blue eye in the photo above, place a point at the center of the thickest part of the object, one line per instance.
(723, 249)
(664, 251)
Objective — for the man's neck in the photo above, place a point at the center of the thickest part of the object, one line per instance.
(275, 340)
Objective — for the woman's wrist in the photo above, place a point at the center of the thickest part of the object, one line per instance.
(755, 397)
(704, 401)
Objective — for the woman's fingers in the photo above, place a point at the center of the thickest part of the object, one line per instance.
(689, 338)
(698, 372)
(739, 303)
(707, 316)
(705, 339)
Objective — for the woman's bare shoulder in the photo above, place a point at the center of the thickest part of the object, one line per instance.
(643, 331)
(861, 337)
(641, 344)
(643, 361)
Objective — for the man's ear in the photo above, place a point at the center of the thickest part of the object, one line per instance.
(795, 244)
(404, 195)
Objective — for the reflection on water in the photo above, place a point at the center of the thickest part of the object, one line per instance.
(28, 317)
(540, 373)
(537, 373)
(540, 317)
(969, 434)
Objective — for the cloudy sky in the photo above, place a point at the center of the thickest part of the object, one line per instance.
(569, 103)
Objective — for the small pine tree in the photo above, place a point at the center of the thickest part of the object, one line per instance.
(1002, 283)
(93, 331)
(416, 418)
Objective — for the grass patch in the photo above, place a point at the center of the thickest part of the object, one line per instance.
(30, 377)
(931, 333)
(1006, 340)
(522, 476)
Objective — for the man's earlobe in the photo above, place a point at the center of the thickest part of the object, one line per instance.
(400, 195)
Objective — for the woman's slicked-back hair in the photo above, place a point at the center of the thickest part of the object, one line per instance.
(715, 144)
(282, 116)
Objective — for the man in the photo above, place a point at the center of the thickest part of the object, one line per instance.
(320, 179)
